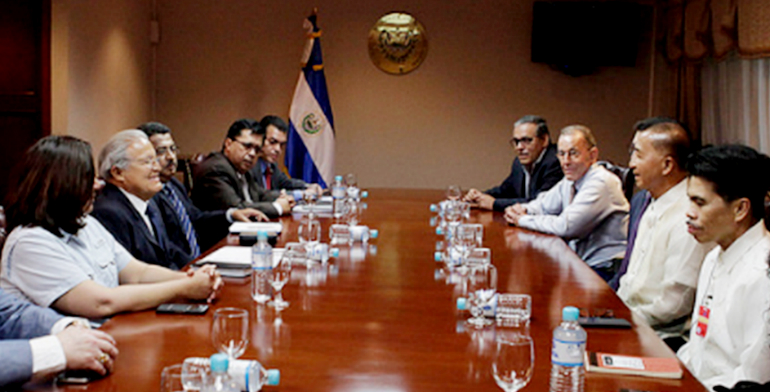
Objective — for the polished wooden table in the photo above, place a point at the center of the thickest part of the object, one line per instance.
(385, 320)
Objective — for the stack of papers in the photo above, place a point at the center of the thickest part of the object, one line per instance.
(272, 228)
(235, 257)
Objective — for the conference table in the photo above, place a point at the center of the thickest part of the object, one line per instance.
(383, 317)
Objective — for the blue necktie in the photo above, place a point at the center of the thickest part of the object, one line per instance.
(632, 230)
(184, 218)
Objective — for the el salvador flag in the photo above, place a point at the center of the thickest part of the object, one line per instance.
(310, 148)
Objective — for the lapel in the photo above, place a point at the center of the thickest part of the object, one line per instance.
(114, 193)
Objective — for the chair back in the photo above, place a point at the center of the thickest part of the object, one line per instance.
(3, 226)
(626, 176)
(186, 168)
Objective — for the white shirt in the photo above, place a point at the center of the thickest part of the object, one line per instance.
(140, 206)
(594, 222)
(735, 287)
(662, 274)
(47, 353)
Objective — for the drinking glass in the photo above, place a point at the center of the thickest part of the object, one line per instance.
(193, 371)
(309, 198)
(453, 192)
(279, 276)
(482, 285)
(229, 331)
(171, 379)
(309, 231)
(514, 362)
(513, 309)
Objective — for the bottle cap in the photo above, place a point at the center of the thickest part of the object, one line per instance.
(570, 313)
(462, 303)
(439, 231)
(218, 362)
(273, 377)
(337, 178)
(437, 256)
(373, 233)
(262, 234)
(433, 208)
(364, 194)
(334, 252)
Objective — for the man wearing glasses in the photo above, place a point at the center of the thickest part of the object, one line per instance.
(224, 179)
(587, 208)
(535, 169)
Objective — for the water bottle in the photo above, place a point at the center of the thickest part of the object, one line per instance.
(246, 375)
(338, 196)
(218, 380)
(345, 234)
(453, 257)
(567, 353)
(261, 264)
(303, 253)
(488, 310)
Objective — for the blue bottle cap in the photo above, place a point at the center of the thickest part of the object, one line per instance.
(273, 377)
(373, 233)
(437, 256)
(218, 362)
(337, 178)
(570, 313)
(462, 303)
(364, 194)
(334, 252)
(433, 208)
(262, 234)
(439, 231)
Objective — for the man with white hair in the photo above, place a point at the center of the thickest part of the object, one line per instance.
(125, 206)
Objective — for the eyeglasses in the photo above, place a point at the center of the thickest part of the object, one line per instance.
(572, 154)
(165, 150)
(524, 141)
(149, 162)
(249, 146)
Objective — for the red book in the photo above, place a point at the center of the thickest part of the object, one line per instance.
(637, 366)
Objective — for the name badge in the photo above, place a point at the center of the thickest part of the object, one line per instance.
(703, 321)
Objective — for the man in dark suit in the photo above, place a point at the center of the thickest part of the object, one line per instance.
(126, 206)
(187, 226)
(224, 179)
(266, 172)
(535, 169)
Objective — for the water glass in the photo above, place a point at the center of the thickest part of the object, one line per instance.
(514, 362)
(309, 231)
(513, 308)
(193, 374)
(279, 276)
(171, 379)
(453, 192)
(230, 331)
(482, 285)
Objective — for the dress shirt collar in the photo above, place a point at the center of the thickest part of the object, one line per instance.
(734, 253)
(580, 181)
(139, 205)
(672, 196)
(539, 159)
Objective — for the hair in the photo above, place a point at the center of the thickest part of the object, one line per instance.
(732, 169)
(244, 123)
(274, 121)
(542, 127)
(52, 185)
(154, 128)
(677, 141)
(583, 130)
(115, 152)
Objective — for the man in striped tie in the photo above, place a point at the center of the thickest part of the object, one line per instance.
(187, 226)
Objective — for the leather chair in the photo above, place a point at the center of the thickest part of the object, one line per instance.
(3, 225)
(185, 169)
(626, 177)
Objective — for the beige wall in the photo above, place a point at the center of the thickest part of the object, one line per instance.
(446, 122)
(100, 67)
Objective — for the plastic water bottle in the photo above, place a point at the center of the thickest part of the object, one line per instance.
(218, 380)
(345, 234)
(338, 196)
(567, 353)
(246, 375)
(302, 253)
(261, 264)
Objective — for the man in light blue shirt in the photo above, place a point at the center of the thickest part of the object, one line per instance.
(587, 207)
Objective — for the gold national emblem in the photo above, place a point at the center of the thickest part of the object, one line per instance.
(397, 43)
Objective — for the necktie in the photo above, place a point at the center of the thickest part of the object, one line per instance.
(184, 219)
(633, 228)
(157, 223)
(269, 178)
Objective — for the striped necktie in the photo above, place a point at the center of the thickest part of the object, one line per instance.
(184, 219)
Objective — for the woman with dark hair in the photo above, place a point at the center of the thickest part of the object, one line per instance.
(59, 256)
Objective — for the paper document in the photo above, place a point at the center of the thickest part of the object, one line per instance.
(235, 257)
(317, 209)
(253, 227)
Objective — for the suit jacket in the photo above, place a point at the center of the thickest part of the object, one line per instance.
(210, 226)
(116, 213)
(217, 187)
(546, 174)
(279, 180)
(19, 322)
